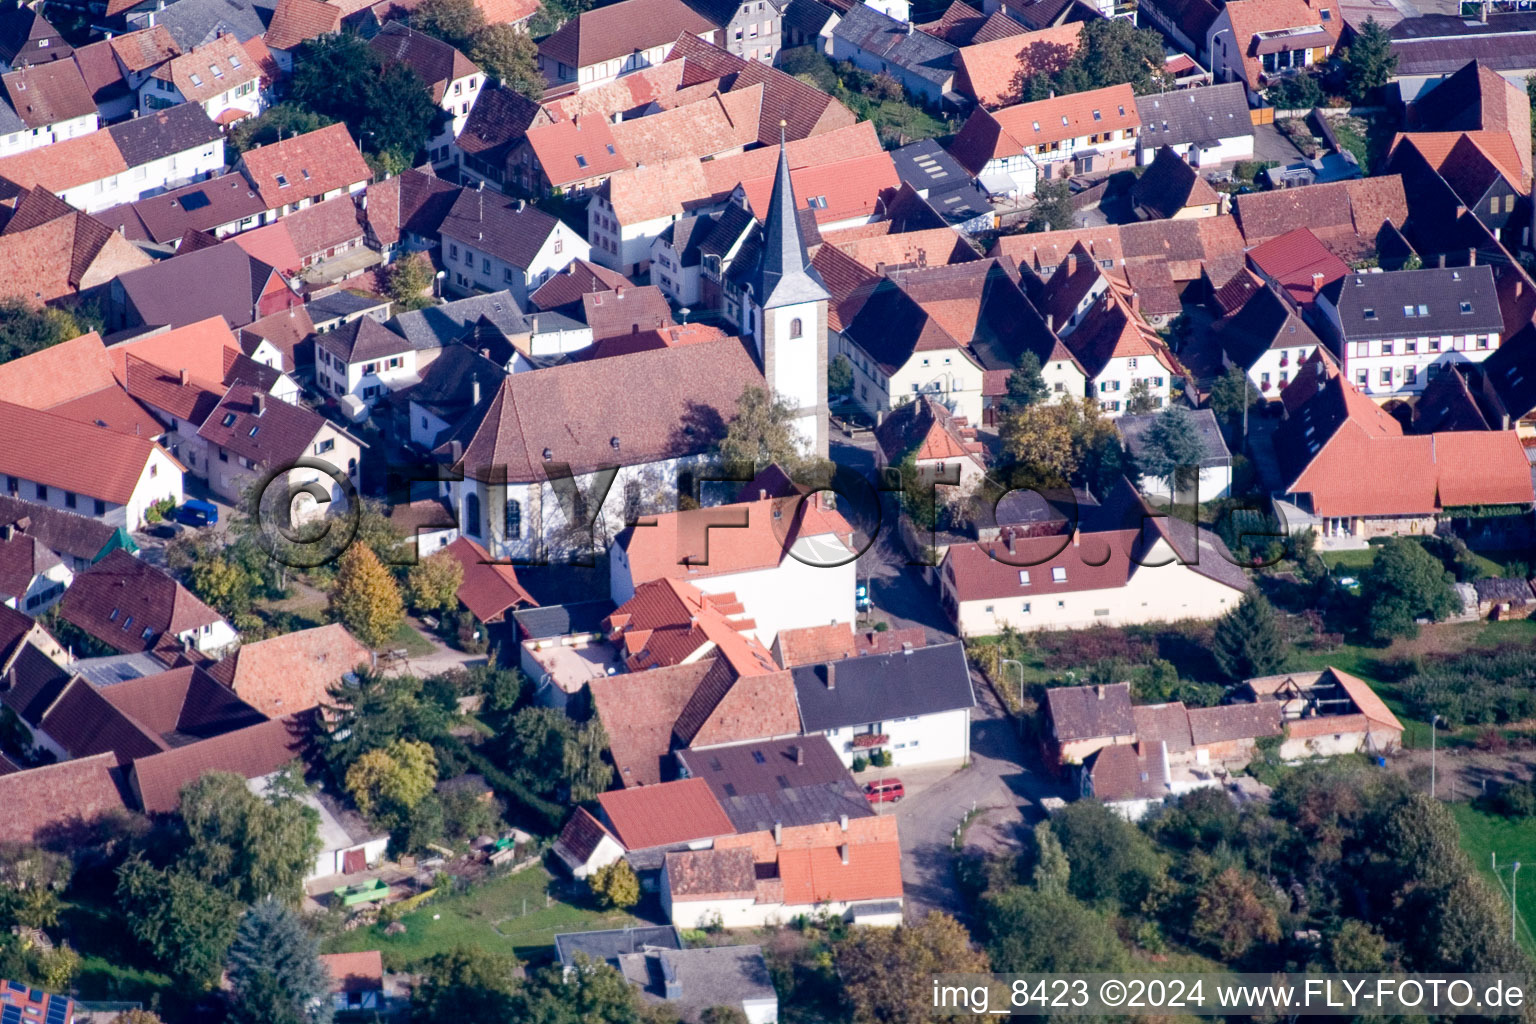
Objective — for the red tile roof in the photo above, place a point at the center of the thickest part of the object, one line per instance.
(120, 597)
(42, 803)
(638, 711)
(65, 165)
(1012, 130)
(355, 972)
(841, 191)
(490, 587)
(144, 49)
(313, 164)
(74, 456)
(298, 21)
(683, 811)
(1251, 17)
(1300, 263)
(992, 72)
(293, 672)
(682, 545)
(252, 752)
(1344, 215)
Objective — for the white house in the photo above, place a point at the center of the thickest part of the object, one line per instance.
(32, 577)
(600, 45)
(1215, 465)
(220, 76)
(914, 705)
(365, 360)
(1119, 351)
(250, 433)
(1206, 126)
(491, 243)
(452, 78)
(1083, 133)
(48, 103)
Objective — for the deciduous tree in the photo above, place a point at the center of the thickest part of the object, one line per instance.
(366, 598)
(409, 278)
(184, 923)
(1248, 641)
(251, 847)
(1231, 916)
(510, 56)
(1405, 583)
(25, 329)
(275, 970)
(1045, 931)
(455, 22)
(1053, 206)
(1053, 871)
(467, 984)
(432, 584)
(615, 885)
(283, 121)
(386, 105)
(886, 972)
(762, 432)
(839, 376)
(1112, 860)
(388, 782)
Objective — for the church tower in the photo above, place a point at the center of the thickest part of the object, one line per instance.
(785, 308)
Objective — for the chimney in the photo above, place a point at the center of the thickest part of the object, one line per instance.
(1050, 321)
(259, 402)
(1099, 691)
(762, 494)
(618, 292)
(842, 851)
(842, 821)
(831, 676)
(1442, 261)
(778, 833)
(183, 376)
(474, 391)
(1519, 287)
(1471, 256)
(456, 449)
(799, 755)
(1077, 536)
(1432, 457)
(672, 986)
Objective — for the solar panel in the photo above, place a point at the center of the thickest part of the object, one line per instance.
(58, 1010)
(10, 1015)
(194, 201)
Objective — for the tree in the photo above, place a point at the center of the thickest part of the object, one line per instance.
(1140, 398)
(1112, 860)
(409, 278)
(886, 972)
(722, 1015)
(1044, 931)
(366, 598)
(1301, 91)
(1248, 641)
(554, 757)
(388, 782)
(1112, 51)
(283, 121)
(186, 924)
(762, 432)
(840, 376)
(1025, 384)
(585, 772)
(275, 970)
(432, 584)
(1053, 206)
(1357, 947)
(1368, 61)
(1053, 871)
(467, 984)
(455, 22)
(511, 57)
(592, 992)
(248, 846)
(1405, 583)
(1172, 449)
(25, 329)
(381, 710)
(1231, 394)
(385, 105)
(1056, 441)
(1231, 917)
(615, 885)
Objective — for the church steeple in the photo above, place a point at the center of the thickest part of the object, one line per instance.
(784, 272)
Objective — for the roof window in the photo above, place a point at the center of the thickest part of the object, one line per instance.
(1407, 311)
(196, 78)
(581, 161)
(611, 150)
(1063, 120)
(1036, 124)
(282, 180)
(817, 202)
(1098, 116)
(1369, 313)
(1023, 577)
(128, 622)
(1059, 575)
(229, 419)
(254, 429)
(113, 616)
(1466, 307)
(1122, 110)
(234, 61)
(218, 72)
(1423, 310)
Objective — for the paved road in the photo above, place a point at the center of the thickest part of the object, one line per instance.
(996, 781)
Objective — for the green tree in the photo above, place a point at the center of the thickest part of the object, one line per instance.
(432, 584)
(1248, 641)
(467, 984)
(886, 972)
(283, 121)
(1053, 206)
(409, 278)
(1357, 947)
(1172, 449)
(1026, 386)
(722, 1015)
(1045, 931)
(1056, 441)
(1112, 860)
(1053, 871)
(249, 846)
(840, 376)
(616, 886)
(762, 432)
(593, 992)
(1405, 583)
(366, 598)
(1112, 51)
(1232, 393)
(227, 583)
(136, 1017)
(275, 970)
(586, 773)
(385, 105)
(379, 711)
(184, 923)
(25, 329)
(555, 757)
(455, 22)
(1139, 399)
(510, 56)
(1231, 916)
(1368, 61)
(388, 782)
(1301, 91)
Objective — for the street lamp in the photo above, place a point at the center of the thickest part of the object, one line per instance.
(1514, 913)
(1432, 720)
(437, 283)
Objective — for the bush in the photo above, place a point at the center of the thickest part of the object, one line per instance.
(1475, 689)
(860, 763)
(616, 885)
(1514, 800)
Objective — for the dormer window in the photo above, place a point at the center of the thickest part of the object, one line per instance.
(282, 181)
(1059, 575)
(1023, 577)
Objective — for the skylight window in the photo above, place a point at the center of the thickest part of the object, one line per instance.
(817, 202)
(196, 78)
(1466, 307)
(1023, 577)
(1059, 575)
(112, 617)
(128, 622)
(282, 181)
(1063, 120)
(1098, 116)
(1036, 124)
(1407, 311)
(218, 72)
(234, 61)
(1122, 110)
(1370, 314)
(254, 429)
(229, 419)
(1423, 310)
(581, 161)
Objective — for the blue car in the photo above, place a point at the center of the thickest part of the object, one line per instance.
(195, 512)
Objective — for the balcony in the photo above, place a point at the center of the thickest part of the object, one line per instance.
(865, 740)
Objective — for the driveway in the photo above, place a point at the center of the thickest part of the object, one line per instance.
(1269, 143)
(997, 784)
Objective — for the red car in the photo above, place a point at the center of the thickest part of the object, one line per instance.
(884, 791)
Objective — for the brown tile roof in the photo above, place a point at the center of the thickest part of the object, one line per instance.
(120, 597)
(813, 645)
(208, 70)
(47, 253)
(1163, 723)
(957, 25)
(22, 560)
(668, 622)
(45, 94)
(1234, 722)
(625, 310)
(620, 29)
(322, 226)
(408, 203)
(312, 164)
(992, 72)
(68, 533)
(715, 125)
(435, 61)
(70, 454)
(65, 165)
(1250, 17)
(718, 874)
(85, 723)
(293, 672)
(1112, 329)
(1128, 772)
(1089, 712)
(98, 66)
(252, 752)
(576, 150)
(581, 835)
(144, 49)
(490, 587)
(682, 811)
(1169, 185)
(730, 707)
(275, 435)
(568, 286)
(287, 330)
(355, 972)
(1345, 215)
(44, 805)
(298, 21)
(638, 710)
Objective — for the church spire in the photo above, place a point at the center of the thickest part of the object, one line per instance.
(785, 274)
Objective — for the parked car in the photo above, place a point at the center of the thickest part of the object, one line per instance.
(167, 530)
(196, 512)
(884, 791)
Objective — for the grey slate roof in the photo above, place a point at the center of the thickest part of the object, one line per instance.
(163, 133)
(509, 230)
(1183, 116)
(339, 304)
(561, 619)
(612, 943)
(195, 22)
(760, 784)
(1374, 305)
(928, 167)
(783, 275)
(1133, 429)
(693, 980)
(917, 53)
(879, 687)
(10, 121)
(437, 326)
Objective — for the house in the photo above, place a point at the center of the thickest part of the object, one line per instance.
(914, 705)
(670, 622)
(251, 433)
(1085, 719)
(27, 38)
(1393, 332)
(768, 558)
(682, 814)
(950, 190)
(452, 78)
(105, 79)
(752, 30)
(490, 243)
(236, 286)
(1480, 102)
(293, 173)
(1258, 41)
(405, 212)
(597, 46)
(1503, 598)
(585, 845)
(52, 253)
(1206, 127)
(122, 163)
(812, 645)
(60, 802)
(1298, 264)
(498, 120)
(490, 588)
(1351, 473)
(850, 869)
(1432, 48)
(50, 101)
(1215, 465)
(1327, 713)
(1080, 133)
(327, 237)
(943, 447)
(138, 53)
(202, 21)
(132, 606)
(221, 76)
(791, 782)
(357, 980)
(32, 577)
(692, 981)
(1267, 339)
(296, 22)
(993, 72)
(1482, 175)
(879, 43)
(1120, 352)
(292, 672)
(534, 459)
(1171, 189)
(1113, 568)
(363, 360)
(155, 781)
(221, 206)
(79, 541)
(609, 945)
(1348, 217)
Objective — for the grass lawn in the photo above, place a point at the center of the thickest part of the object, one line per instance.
(112, 966)
(508, 915)
(1357, 559)
(408, 637)
(1483, 835)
